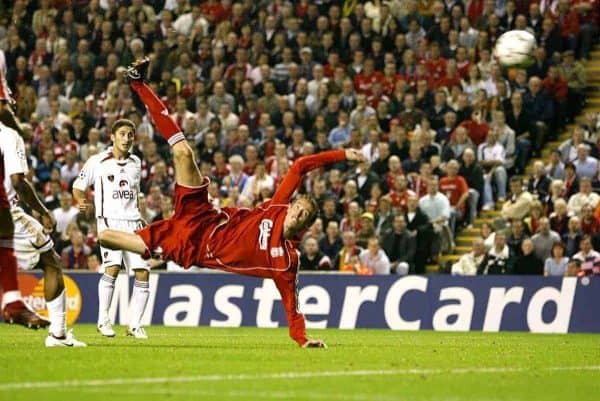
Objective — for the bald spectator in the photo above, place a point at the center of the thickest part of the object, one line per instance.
(528, 263)
(544, 239)
(468, 263)
(312, 258)
(586, 165)
(585, 196)
(374, 258)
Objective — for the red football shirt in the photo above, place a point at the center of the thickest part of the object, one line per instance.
(454, 188)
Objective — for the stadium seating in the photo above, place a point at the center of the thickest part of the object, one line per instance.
(270, 81)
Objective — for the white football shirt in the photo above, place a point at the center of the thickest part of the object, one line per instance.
(116, 185)
(15, 160)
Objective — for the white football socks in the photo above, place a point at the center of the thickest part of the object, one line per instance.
(57, 315)
(139, 299)
(106, 288)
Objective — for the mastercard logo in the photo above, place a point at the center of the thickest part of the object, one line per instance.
(32, 289)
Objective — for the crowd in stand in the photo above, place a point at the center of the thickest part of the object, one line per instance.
(254, 85)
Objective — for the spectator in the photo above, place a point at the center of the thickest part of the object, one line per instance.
(492, 158)
(65, 214)
(347, 252)
(586, 165)
(457, 191)
(519, 203)
(559, 219)
(331, 243)
(365, 229)
(468, 263)
(583, 197)
(539, 182)
(312, 258)
(544, 239)
(374, 258)
(589, 223)
(518, 234)
(383, 217)
(572, 238)
(436, 207)
(400, 246)
(528, 263)
(556, 264)
(257, 182)
(574, 73)
(587, 258)
(499, 259)
(75, 255)
(555, 169)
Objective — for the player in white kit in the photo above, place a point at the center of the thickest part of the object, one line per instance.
(115, 176)
(32, 243)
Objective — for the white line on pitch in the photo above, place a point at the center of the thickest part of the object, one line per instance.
(279, 395)
(276, 376)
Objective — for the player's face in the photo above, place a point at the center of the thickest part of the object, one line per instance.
(296, 217)
(123, 139)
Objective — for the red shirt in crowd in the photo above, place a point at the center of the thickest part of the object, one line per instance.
(454, 189)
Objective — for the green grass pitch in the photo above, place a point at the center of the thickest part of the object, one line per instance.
(263, 364)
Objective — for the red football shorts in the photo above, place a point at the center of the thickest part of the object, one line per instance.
(181, 237)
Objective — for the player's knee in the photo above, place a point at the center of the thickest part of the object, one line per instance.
(182, 152)
(142, 275)
(112, 271)
(106, 239)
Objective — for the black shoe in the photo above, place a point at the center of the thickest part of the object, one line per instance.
(136, 72)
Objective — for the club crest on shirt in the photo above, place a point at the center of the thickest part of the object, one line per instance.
(111, 178)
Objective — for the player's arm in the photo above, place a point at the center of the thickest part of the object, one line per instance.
(83, 181)
(8, 118)
(297, 328)
(28, 196)
(303, 165)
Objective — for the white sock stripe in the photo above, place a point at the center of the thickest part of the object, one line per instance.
(178, 137)
(141, 284)
(108, 279)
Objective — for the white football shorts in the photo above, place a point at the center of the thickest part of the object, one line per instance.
(30, 240)
(116, 257)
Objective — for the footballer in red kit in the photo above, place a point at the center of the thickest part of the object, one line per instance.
(258, 242)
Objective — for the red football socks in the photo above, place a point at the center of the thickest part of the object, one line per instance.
(8, 267)
(160, 114)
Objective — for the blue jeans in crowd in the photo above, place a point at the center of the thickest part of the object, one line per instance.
(500, 178)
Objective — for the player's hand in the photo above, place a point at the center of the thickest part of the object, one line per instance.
(48, 222)
(314, 344)
(85, 206)
(355, 155)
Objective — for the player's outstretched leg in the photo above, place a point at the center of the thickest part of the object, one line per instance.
(186, 169)
(14, 310)
(54, 292)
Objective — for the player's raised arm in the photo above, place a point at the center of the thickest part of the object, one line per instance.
(303, 165)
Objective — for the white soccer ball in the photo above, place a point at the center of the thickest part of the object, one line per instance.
(515, 49)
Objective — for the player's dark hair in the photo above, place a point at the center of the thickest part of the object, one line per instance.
(122, 122)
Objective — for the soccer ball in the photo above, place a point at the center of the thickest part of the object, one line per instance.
(515, 49)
